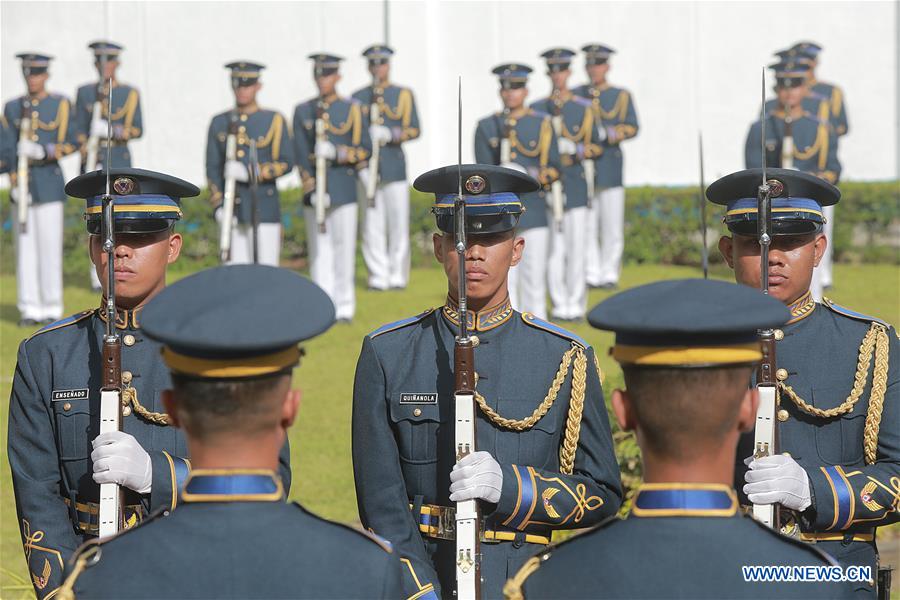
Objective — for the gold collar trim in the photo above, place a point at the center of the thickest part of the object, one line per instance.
(125, 319)
(484, 320)
(802, 307)
(684, 500)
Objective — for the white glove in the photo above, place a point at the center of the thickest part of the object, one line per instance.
(235, 169)
(601, 133)
(778, 479)
(326, 150)
(31, 150)
(566, 146)
(14, 194)
(380, 134)
(363, 175)
(477, 475)
(99, 128)
(515, 167)
(119, 458)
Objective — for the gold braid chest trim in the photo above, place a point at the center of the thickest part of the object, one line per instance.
(576, 406)
(129, 396)
(875, 343)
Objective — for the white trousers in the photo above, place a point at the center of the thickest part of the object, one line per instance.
(565, 273)
(386, 237)
(822, 277)
(605, 236)
(333, 255)
(269, 244)
(528, 279)
(39, 263)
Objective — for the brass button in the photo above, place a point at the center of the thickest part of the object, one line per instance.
(512, 121)
(417, 412)
(512, 154)
(788, 454)
(242, 129)
(126, 377)
(783, 415)
(781, 374)
(779, 335)
(67, 406)
(243, 117)
(128, 340)
(126, 411)
(34, 101)
(240, 153)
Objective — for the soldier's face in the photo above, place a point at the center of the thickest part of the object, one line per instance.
(791, 96)
(791, 262)
(559, 79)
(246, 94)
(327, 83)
(513, 98)
(597, 73)
(380, 72)
(106, 69)
(140, 264)
(488, 260)
(36, 83)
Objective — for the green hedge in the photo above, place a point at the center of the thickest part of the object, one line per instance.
(662, 227)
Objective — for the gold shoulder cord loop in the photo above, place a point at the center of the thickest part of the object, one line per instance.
(67, 590)
(512, 589)
(576, 408)
(129, 396)
(876, 397)
(543, 407)
(866, 350)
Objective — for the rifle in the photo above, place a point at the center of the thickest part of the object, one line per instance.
(254, 198)
(468, 513)
(505, 147)
(93, 143)
(765, 436)
(787, 144)
(111, 495)
(321, 170)
(557, 202)
(22, 167)
(229, 193)
(704, 250)
(374, 118)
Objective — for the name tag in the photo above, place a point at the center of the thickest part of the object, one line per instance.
(59, 395)
(408, 398)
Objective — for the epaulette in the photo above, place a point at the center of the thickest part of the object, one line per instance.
(369, 535)
(63, 322)
(793, 541)
(88, 554)
(401, 323)
(539, 323)
(851, 313)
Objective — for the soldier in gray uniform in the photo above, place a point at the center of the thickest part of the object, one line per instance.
(127, 122)
(56, 457)
(687, 348)
(521, 138)
(797, 138)
(344, 146)
(545, 457)
(577, 140)
(386, 225)
(233, 534)
(249, 122)
(838, 380)
(50, 136)
(614, 112)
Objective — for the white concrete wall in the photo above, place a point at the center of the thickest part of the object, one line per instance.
(690, 66)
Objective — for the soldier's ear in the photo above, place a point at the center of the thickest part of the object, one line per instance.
(819, 247)
(437, 241)
(622, 408)
(747, 412)
(175, 241)
(726, 248)
(518, 248)
(289, 408)
(170, 405)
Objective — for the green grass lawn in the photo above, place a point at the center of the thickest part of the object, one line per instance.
(320, 441)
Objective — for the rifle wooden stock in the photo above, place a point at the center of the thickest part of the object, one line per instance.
(22, 169)
(321, 177)
(228, 198)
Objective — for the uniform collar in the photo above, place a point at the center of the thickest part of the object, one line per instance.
(484, 320)
(232, 485)
(596, 89)
(684, 500)
(802, 307)
(125, 319)
(560, 98)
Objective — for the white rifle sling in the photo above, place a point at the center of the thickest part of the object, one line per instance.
(372, 181)
(22, 175)
(764, 444)
(466, 511)
(110, 505)
(228, 201)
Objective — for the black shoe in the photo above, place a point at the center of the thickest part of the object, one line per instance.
(48, 321)
(28, 322)
(608, 286)
(345, 320)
